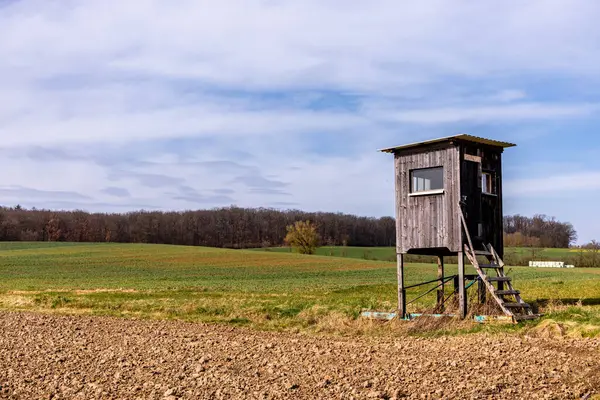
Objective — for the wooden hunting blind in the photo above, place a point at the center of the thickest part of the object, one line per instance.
(449, 203)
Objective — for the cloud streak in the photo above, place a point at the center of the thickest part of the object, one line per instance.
(116, 192)
(560, 184)
(22, 193)
(474, 113)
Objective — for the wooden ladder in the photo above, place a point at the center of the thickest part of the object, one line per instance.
(504, 294)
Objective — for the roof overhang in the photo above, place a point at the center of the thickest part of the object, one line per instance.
(461, 137)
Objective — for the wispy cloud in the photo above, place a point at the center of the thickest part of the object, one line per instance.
(474, 113)
(116, 192)
(190, 195)
(259, 182)
(508, 95)
(147, 179)
(20, 192)
(562, 185)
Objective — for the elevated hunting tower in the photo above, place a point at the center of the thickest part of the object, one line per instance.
(449, 203)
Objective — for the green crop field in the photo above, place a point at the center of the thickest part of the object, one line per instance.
(267, 290)
(389, 253)
(369, 253)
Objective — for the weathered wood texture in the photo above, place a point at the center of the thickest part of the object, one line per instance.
(401, 290)
(440, 292)
(429, 224)
(483, 209)
(429, 221)
(462, 291)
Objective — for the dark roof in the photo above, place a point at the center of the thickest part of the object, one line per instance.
(462, 137)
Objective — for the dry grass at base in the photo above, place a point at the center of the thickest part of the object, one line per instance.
(322, 320)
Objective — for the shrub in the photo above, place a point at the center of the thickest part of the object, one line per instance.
(303, 237)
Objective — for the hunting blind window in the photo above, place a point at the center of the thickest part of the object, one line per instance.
(487, 183)
(427, 181)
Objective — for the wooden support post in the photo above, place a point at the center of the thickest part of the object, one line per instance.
(481, 291)
(462, 292)
(440, 292)
(500, 285)
(401, 290)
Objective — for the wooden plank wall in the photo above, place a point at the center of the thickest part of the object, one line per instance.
(429, 221)
(491, 206)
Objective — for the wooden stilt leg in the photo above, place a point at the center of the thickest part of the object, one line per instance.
(440, 292)
(481, 291)
(401, 290)
(462, 292)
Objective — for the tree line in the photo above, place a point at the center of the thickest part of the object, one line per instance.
(538, 231)
(229, 227)
(234, 227)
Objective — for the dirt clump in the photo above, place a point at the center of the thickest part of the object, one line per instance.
(63, 357)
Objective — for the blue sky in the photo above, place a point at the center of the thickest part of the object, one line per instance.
(116, 106)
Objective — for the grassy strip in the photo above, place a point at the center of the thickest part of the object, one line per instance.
(513, 255)
(261, 289)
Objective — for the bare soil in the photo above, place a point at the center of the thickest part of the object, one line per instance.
(64, 357)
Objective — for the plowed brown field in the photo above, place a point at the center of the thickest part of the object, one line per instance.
(60, 357)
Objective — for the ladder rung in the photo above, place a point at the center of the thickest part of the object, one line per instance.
(527, 317)
(494, 262)
(516, 305)
(507, 292)
(489, 266)
(498, 278)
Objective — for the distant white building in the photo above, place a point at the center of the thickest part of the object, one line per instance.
(549, 264)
